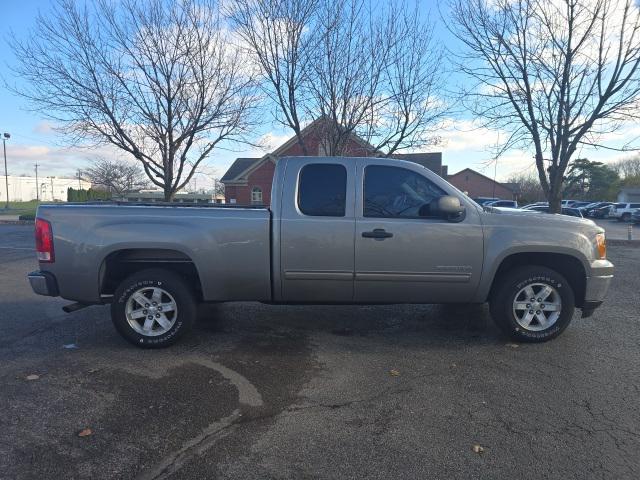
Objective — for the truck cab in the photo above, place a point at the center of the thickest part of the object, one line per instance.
(361, 230)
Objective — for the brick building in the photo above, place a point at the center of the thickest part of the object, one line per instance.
(248, 180)
(478, 185)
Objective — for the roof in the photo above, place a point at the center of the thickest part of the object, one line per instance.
(238, 171)
(514, 187)
(241, 166)
(238, 167)
(430, 160)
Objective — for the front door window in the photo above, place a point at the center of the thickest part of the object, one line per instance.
(394, 192)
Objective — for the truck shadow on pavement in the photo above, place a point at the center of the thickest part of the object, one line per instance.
(448, 323)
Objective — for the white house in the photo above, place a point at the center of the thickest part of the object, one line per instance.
(629, 194)
(23, 189)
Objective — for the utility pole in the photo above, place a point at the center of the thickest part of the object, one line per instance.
(79, 183)
(37, 185)
(53, 198)
(6, 137)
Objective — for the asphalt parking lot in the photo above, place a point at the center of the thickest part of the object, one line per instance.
(618, 230)
(260, 391)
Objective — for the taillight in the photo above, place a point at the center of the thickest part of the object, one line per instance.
(44, 241)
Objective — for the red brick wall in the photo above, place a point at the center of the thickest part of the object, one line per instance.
(261, 177)
(477, 185)
(230, 191)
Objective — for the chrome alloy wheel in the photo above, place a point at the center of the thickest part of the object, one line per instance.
(151, 311)
(537, 306)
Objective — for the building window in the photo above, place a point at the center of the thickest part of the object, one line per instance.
(256, 195)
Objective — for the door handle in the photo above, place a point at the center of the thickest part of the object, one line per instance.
(378, 233)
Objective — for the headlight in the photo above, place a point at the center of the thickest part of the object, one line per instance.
(601, 244)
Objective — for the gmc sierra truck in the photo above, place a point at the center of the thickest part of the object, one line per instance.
(339, 231)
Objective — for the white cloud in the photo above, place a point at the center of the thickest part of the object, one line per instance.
(466, 143)
(466, 135)
(52, 160)
(44, 127)
(271, 140)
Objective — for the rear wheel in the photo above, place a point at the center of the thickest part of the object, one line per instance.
(153, 308)
(626, 217)
(532, 304)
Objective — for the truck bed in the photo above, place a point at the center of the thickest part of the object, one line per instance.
(229, 247)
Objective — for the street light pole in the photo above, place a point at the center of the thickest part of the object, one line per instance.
(37, 185)
(6, 137)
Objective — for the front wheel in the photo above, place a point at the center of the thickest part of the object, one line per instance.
(153, 308)
(532, 304)
(625, 217)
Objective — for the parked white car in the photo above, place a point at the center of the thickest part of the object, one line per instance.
(623, 211)
(502, 203)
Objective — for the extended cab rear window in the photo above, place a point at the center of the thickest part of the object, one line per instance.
(322, 190)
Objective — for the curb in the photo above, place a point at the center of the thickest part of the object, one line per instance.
(623, 243)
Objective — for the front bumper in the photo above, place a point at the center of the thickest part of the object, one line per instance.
(597, 285)
(597, 288)
(43, 283)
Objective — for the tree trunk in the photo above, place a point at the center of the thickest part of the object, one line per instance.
(168, 194)
(554, 197)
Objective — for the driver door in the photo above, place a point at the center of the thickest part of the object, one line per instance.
(401, 256)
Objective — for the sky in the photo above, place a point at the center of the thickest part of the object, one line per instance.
(34, 140)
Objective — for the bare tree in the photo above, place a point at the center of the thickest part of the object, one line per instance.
(555, 75)
(276, 35)
(628, 167)
(411, 105)
(155, 78)
(343, 73)
(529, 187)
(118, 176)
(371, 73)
(218, 187)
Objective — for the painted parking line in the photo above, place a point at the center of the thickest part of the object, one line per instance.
(19, 248)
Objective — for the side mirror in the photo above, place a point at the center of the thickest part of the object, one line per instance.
(446, 206)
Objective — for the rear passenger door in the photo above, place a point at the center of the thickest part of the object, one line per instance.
(317, 230)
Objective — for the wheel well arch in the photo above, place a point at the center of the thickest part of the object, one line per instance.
(121, 263)
(568, 266)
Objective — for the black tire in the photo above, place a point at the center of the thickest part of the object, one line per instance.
(143, 282)
(625, 217)
(512, 283)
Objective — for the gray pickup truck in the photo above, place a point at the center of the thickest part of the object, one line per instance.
(339, 230)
